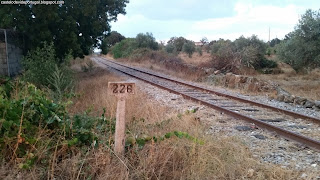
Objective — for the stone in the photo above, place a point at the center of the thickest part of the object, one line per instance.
(272, 120)
(209, 70)
(217, 72)
(243, 128)
(282, 91)
(299, 100)
(317, 104)
(297, 126)
(259, 136)
(288, 99)
(232, 81)
(252, 87)
(280, 97)
(250, 173)
(250, 110)
(309, 104)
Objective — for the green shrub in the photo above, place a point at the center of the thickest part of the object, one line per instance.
(60, 82)
(140, 53)
(39, 64)
(23, 115)
(147, 41)
(301, 48)
(124, 48)
(199, 50)
(189, 48)
(170, 48)
(31, 123)
(110, 40)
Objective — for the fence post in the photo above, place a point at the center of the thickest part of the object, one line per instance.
(121, 90)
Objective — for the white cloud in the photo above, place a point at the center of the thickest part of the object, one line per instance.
(248, 19)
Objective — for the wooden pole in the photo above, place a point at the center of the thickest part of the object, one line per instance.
(120, 126)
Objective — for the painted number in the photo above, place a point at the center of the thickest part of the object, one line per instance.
(122, 88)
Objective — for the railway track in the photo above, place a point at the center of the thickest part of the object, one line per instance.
(264, 116)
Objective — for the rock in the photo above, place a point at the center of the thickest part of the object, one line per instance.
(288, 99)
(209, 70)
(304, 175)
(243, 128)
(243, 79)
(317, 104)
(252, 87)
(313, 165)
(250, 173)
(299, 100)
(272, 120)
(280, 97)
(259, 136)
(316, 108)
(217, 72)
(281, 91)
(297, 126)
(309, 104)
(250, 110)
(232, 81)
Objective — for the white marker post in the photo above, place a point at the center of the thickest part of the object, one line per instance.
(121, 90)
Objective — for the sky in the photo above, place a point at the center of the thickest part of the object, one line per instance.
(213, 19)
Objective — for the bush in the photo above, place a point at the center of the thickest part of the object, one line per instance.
(199, 50)
(189, 48)
(61, 82)
(170, 48)
(124, 48)
(43, 69)
(32, 124)
(109, 41)
(139, 54)
(39, 64)
(301, 48)
(177, 42)
(147, 41)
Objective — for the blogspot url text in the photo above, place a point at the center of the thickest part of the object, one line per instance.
(32, 2)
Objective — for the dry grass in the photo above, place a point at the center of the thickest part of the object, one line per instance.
(166, 65)
(196, 59)
(304, 85)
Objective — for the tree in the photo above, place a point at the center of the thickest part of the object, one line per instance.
(147, 41)
(301, 48)
(110, 40)
(189, 47)
(75, 26)
(204, 41)
(170, 48)
(177, 42)
(274, 42)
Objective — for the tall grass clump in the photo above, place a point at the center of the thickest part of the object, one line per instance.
(44, 69)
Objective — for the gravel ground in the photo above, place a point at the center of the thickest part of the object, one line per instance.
(264, 145)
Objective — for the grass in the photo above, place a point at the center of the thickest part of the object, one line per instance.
(173, 158)
(303, 85)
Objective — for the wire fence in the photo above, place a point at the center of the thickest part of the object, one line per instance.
(11, 45)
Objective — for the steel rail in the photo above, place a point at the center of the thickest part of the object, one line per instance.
(312, 143)
(287, 112)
